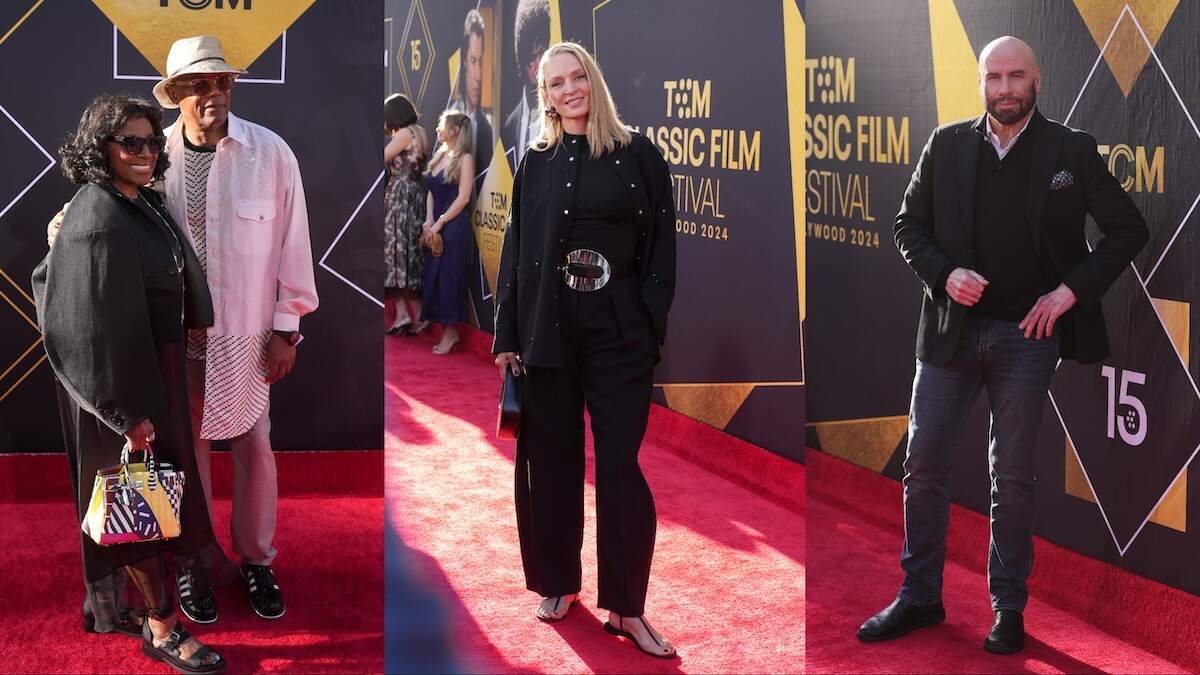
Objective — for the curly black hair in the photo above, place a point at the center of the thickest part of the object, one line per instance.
(84, 156)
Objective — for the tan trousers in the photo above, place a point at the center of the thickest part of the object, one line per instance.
(255, 486)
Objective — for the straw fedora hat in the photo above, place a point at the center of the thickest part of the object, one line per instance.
(199, 54)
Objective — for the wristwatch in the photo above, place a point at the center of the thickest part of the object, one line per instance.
(291, 336)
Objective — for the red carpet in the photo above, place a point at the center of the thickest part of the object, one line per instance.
(857, 515)
(330, 568)
(727, 585)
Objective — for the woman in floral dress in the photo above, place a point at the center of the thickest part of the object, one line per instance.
(404, 204)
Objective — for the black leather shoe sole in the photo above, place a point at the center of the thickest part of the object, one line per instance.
(198, 618)
(924, 622)
(1003, 647)
(265, 615)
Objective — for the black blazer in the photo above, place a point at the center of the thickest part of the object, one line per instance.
(534, 245)
(935, 229)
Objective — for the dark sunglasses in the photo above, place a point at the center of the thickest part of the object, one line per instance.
(205, 86)
(134, 144)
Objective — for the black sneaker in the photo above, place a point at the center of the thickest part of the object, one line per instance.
(196, 597)
(265, 597)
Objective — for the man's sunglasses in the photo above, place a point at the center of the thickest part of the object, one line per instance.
(134, 144)
(205, 86)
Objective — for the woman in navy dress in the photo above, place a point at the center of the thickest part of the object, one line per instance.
(449, 176)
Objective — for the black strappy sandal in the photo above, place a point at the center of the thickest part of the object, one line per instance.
(557, 604)
(169, 652)
(626, 634)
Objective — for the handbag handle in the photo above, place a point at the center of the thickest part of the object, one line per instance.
(148, 457)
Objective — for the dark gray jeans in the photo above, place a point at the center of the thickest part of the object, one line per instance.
(1016, 372)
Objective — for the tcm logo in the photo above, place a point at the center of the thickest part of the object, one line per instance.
(832, 77)
(688, 98)
(1137, 171)
(205, 4)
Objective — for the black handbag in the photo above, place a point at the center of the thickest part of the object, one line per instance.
(508, 422)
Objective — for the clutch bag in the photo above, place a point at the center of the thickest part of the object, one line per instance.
(134, 501)
(436, 245)
(508, 422)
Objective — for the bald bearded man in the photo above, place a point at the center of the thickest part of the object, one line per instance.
(992, 224)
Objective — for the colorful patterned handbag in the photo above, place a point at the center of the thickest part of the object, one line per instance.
(134, 501)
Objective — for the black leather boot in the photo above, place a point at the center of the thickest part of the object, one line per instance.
(1008, 633)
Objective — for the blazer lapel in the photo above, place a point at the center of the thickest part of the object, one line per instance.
(1041, 168)
(968, 172)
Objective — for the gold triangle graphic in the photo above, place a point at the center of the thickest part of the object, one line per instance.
(866, 442)
(955, 67)
(1127, 53)
(1171, 512)
(245, 28)
(714, 405)
(1176, 316)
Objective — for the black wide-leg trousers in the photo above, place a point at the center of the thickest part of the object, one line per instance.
(609, 351)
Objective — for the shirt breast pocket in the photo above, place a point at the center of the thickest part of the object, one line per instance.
(254, 226)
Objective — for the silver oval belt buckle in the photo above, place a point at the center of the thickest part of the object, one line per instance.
(586, 270)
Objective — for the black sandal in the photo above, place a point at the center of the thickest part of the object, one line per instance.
(169, 652)
(557, 602)
(626, 634)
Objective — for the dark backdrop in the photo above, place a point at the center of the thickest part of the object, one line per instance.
(61, 54)
(1102, 489)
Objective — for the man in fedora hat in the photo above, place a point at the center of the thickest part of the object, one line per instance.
(237, 187)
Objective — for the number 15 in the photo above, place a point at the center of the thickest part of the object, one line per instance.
(1132, 424)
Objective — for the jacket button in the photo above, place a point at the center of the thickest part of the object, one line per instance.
(632, 185)
(566, 212)
(617, 161)
(571, 159)
(562, 240)
(568, 183)
(639, 212)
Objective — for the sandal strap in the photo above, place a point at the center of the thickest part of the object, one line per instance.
(650, 632)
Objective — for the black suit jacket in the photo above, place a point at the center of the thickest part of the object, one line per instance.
(534, 245)
(935, 229)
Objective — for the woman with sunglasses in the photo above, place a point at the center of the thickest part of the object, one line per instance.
(115, 296)
(587, 274)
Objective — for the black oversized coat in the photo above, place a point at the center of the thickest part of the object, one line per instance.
(113, 315)
(535, 244)
(935, 230)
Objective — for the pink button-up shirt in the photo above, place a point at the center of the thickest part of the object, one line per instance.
(260, 267)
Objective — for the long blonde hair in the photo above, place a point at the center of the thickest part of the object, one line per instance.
(462, 145)
(605, 130)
